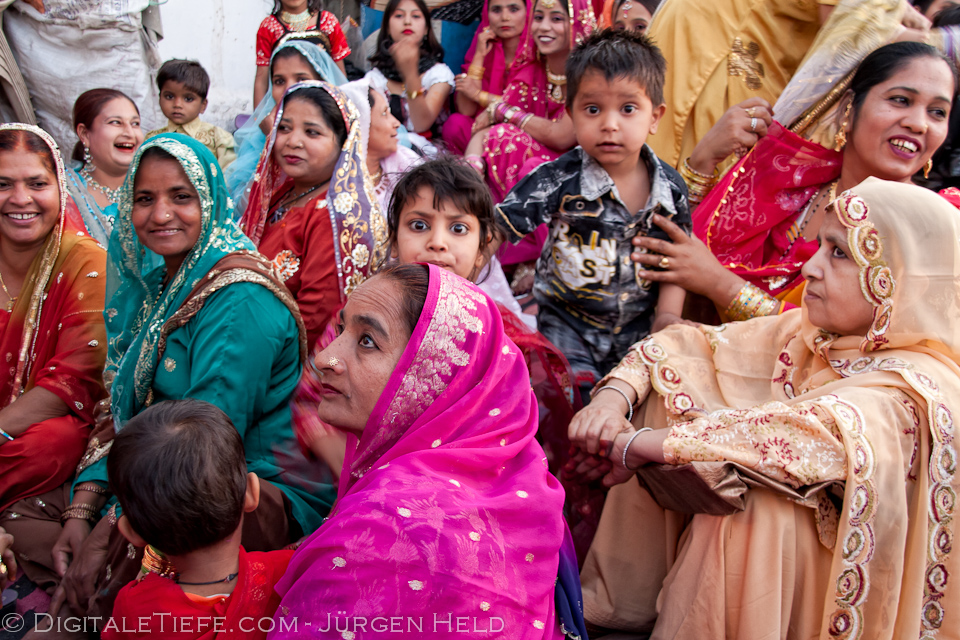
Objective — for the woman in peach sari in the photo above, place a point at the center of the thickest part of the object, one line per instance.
(801, 478)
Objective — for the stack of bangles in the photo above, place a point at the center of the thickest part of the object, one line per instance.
(81, 510)
(752, 302)
(698, 184)
(475, 72)
(502, 112)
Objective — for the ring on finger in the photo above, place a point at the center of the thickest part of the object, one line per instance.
(3, 568)
(753, 124)
(664, 263)
(749, 112)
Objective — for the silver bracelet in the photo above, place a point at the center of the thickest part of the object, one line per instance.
(627, 448)
(623, 393)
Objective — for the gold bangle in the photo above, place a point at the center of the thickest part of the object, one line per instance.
(79, 512)
(413, 95)
(483, 98)
(751, 302)
(702, 176)
(92, 487)
(475, 72)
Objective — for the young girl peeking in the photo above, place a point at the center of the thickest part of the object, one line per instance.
(442, 213)
(629, 15)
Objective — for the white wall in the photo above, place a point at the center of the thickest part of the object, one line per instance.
(221, 35)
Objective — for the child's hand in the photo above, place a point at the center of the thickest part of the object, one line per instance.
(664, 320)
(8, 562)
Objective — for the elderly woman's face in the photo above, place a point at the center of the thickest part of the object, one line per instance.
(357, 365)
(901, 122)
(833, 297)
(167, 215)
(29, 199)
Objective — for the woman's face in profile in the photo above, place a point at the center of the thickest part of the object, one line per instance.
(833, 297)
(356, 367)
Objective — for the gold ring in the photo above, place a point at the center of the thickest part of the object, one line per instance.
(749, 112)
(332, 362)
(3, 568)
(664, 263)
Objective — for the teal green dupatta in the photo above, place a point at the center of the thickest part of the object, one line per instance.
(137, 303)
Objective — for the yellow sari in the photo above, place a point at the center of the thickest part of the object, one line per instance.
(818, 472)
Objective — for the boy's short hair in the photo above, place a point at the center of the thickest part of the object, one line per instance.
(452, 181)
(188, 73)
(179, 472)
(618, 54)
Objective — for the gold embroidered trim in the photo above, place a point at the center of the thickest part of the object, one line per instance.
(743, 63)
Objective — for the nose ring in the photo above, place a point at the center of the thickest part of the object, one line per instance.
(332, 362)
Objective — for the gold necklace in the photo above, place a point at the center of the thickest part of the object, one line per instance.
(375, 177)
(555, 85)
(13, 299)
(297, 21)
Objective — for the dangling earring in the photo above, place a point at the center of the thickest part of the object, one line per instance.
(927, 168)
(88, 167)
(841, 138)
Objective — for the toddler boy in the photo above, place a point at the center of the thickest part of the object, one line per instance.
(596, 198)
(183, 88)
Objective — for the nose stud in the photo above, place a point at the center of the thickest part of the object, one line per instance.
(332, 362)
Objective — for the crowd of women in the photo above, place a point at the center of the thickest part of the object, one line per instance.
(781, 464)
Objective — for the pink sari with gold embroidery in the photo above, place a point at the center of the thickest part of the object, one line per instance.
(447, 511)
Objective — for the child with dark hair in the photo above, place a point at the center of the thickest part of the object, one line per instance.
(593, 304)
(183, 86)
(179, 473)
(303, 20)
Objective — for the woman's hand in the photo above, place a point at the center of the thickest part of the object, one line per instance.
(8, 560)
(470, 87)
(690, 264)
(406, 55)
(584, 468)
(74, 534)
(594, 427)
(79, 580)
(484, 44)
(481, 122)
(735, 132)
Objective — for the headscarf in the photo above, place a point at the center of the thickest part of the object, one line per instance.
(446, 505)
(746, 218)
(358, 228)
(249, 139)
(528, 87)
(894, 563)
(496, 73)
(394, 165)
(27, 313)
(138, 305)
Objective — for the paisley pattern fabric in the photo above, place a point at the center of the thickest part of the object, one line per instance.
(446, 505)
(872, 413)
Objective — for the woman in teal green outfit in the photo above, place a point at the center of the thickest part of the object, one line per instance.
(193, 311)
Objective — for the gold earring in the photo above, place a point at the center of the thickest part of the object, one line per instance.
(841, 138)
(927, 168)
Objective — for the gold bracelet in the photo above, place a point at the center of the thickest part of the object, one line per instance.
(703, 177)
(752, 302)
(92, 487)
(483, 98)
(475, 72)
(79, 512)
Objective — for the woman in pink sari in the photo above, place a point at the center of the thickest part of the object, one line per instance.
(447, 519)
(488, 66)
(513, 142)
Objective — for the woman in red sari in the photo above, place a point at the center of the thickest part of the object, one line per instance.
(313, 209)
(52, 334)
(758, 226)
